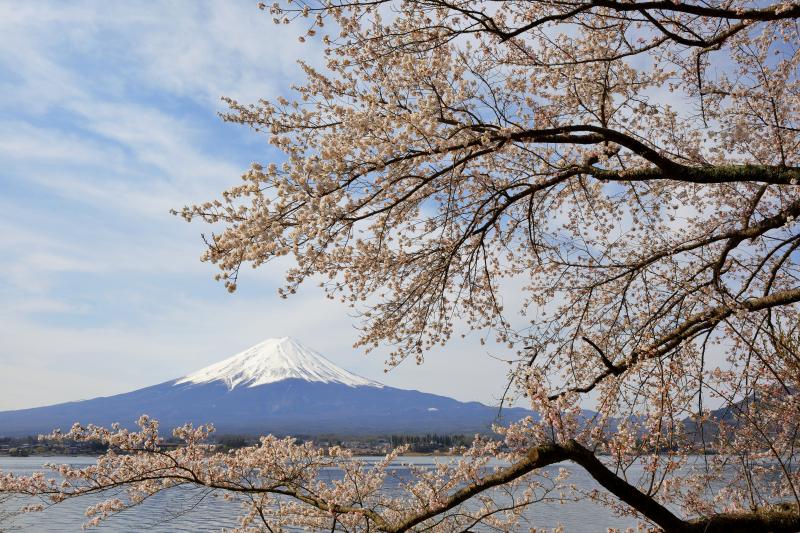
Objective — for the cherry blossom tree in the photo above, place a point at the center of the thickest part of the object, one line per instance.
(628, 168)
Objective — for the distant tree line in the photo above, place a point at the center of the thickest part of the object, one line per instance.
(429, 442)
(32, 445)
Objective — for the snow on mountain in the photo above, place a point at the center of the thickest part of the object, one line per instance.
(275, 360)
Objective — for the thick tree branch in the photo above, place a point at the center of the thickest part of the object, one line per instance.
(711, 174)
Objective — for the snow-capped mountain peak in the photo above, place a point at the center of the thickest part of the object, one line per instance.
(275, 360)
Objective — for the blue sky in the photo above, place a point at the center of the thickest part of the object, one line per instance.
(108, 120)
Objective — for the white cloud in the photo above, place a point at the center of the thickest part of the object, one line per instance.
(198, 50)
(219, 49)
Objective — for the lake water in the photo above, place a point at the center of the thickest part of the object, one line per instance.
(191, 509)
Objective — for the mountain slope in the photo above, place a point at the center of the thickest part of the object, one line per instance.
(279, 386)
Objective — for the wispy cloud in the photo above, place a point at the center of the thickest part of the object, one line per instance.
(108, 121)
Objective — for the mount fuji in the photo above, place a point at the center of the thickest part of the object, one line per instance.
(278, 386)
